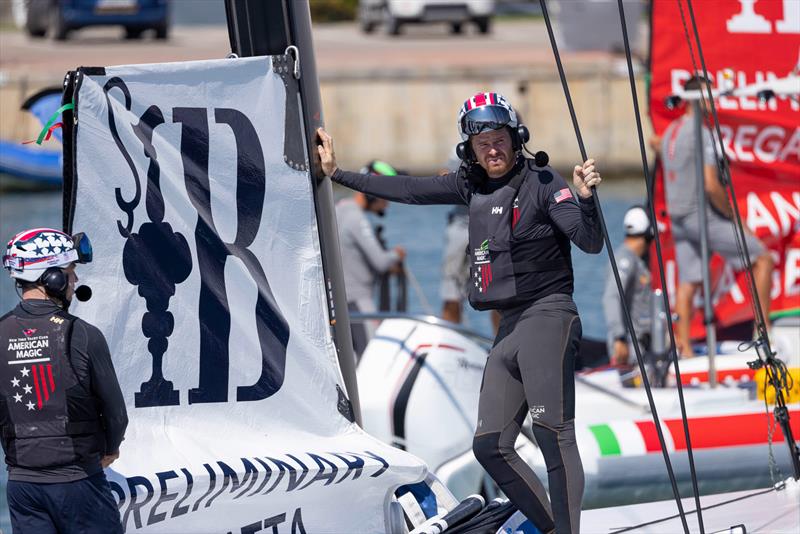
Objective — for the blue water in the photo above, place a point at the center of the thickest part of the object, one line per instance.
(419, 229)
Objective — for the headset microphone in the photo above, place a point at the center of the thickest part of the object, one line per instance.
(83, 293)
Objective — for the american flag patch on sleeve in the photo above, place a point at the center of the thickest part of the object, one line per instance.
(564, 194)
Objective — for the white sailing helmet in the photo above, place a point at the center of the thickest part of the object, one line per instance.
(637, 222)
(32, 252)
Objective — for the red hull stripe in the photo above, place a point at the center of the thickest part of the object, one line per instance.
(728, 430)
(649, 435)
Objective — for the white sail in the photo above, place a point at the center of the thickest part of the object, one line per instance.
(208, 286)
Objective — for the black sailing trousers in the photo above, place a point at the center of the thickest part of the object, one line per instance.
(531, 370)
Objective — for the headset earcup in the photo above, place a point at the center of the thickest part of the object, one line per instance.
(523, 134)
(54, 281)
(463, 151)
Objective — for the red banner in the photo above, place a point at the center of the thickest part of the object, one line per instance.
(744, 42)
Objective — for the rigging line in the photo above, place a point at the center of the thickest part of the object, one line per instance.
(739, 229)
(720, 164)
(767, 359)
(723, 503)
(660, 259)
(739, 248)
(615, 270)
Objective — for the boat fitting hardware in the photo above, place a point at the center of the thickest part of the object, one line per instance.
(296, 57)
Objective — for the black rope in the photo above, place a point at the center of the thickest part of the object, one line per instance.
(615, 270)
(719, 160)
(767, 359)
(660, 259)
(725, 168)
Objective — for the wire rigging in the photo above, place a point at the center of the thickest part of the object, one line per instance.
(615, 270)
(660, 259)
(719, 160)
(766, 357)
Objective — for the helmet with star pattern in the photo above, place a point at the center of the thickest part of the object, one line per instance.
(32, 252)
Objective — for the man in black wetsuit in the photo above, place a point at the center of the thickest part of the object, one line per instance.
(62, 414)
(522, 217)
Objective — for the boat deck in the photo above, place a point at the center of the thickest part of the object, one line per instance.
(769, 510)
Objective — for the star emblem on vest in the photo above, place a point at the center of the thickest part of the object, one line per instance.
(34, 384)
(43, 384)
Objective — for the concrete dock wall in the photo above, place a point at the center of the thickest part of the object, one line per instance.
(409, 119)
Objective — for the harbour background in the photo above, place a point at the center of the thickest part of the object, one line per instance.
(419, 229)
(388, 98)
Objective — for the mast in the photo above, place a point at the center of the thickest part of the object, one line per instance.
(708, 308)
(269, 28)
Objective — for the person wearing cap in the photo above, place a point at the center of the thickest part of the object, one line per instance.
(62, 414)
(635, 277)
(679, 157)
(522, 218)
(364, 258)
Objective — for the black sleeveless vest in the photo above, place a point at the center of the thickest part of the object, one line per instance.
(42, 404)
(498, 261)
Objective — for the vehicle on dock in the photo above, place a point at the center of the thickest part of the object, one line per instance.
(60, 17)
(394, 14)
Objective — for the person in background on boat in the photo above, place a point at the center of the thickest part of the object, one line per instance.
(522, 217)
(635, 277)
(63, 416)
(455, 259)
(364, 259)
(678, 155)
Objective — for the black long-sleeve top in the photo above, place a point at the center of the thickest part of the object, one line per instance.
(547, 209)
(539, 206)
(91, 362)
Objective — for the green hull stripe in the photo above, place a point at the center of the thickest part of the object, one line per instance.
(609, 446)
(792, 312)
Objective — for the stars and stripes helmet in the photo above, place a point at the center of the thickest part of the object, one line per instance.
(483, 112)
(30, 253)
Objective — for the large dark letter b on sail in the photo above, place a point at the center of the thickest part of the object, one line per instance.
(212, 253)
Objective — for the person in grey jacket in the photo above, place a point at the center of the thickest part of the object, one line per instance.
(522, 218)
(635, 277)
(679, 158)
(364, 258)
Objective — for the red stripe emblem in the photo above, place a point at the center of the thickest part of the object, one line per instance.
(480, 99)
(36, 386)
(43, 383)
